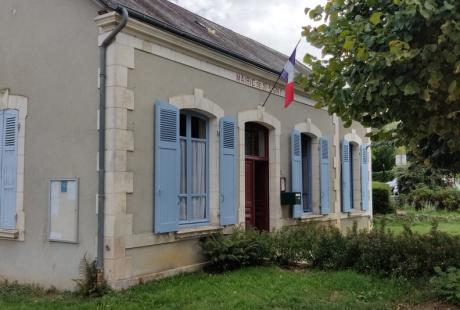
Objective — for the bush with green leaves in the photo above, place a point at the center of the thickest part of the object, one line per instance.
(381, 203)
(291, 246)
(441, 198)
(446, 284)
(409, 254)
(329, 252)
(383, 176)
(88, 285)
(380, 252)
(239, 249)
(417, 175)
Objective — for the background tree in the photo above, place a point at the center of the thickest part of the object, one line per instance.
(393, 65)
(383, 157)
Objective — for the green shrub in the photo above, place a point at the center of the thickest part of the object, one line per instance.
(409, 255)
(416, 175)
(329, 250)
(383, 176)
(446, 284)
(442, 198)
(449, 199)
(420, 197)
(381, 198)
(9, 289)
(88, 285)
(239, 249)
(293, 245)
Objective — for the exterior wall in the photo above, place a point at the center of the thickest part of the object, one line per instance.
(49, 55)
(147, 65)
(59, 83)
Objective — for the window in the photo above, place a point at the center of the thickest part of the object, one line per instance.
(182, 179)
(302, 172)
(306, 174)
(8, 167)
(256, 137)
(193, 194)
(355, 178)
(352, 175)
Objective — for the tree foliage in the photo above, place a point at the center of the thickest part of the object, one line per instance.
(393, 65)
(383, 157)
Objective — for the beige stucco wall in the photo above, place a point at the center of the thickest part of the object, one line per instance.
(155, 77)
(158, 78)
(49, 54)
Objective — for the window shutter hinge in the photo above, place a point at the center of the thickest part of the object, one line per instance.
(19, 126)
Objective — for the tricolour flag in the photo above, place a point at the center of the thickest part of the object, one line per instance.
(287, 75)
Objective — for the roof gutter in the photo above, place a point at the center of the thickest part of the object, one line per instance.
(164, 26)
(101, 169)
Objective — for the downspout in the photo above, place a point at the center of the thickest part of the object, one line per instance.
(101, 170)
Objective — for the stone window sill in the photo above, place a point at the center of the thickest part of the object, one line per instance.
(310, 217)
(358, 213)
(197, 232)
(12, 234)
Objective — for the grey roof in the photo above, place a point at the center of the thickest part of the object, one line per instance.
(195, 26)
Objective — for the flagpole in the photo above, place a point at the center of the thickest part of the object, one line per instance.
(279, 75)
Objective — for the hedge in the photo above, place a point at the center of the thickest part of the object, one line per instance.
(381, 198)
(380, 252)
(383, 176)
(442, 198)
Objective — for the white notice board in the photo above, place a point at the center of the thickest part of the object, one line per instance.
(63, 210)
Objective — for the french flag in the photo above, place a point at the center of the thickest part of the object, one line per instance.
(287, 75)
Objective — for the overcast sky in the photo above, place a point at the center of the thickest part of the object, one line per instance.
(275, 23)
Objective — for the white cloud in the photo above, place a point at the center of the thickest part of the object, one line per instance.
(275, 23)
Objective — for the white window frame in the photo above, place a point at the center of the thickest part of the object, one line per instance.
(8, 101)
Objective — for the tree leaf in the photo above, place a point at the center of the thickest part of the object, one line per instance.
(452, 87)
(361, 55)
(349, 42)
(411, 88)
(375, 18)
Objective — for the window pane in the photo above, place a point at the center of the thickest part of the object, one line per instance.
(248, 141)
(183, 125)
(306, 173)
(198, 128)
(198, 208)
(261, 143)
(198, 167)
(183, 208)
(183, 166)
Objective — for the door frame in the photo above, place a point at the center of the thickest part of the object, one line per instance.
(274, 167)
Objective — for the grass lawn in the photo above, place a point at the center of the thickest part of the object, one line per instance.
(421, 221)
(252, 288)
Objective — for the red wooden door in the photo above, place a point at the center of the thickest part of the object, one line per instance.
(249, 193)
(261, 195)
(256, 171)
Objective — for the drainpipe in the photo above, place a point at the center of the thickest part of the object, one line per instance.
(101, 170)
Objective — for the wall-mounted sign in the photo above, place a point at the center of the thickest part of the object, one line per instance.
(63, 210)
(250, 81)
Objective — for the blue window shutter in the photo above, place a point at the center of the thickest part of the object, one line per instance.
(346, 186)
(228, 173)
(296, 170)
(364, 177)
(9, 159)
(166, 167)
(324, 175)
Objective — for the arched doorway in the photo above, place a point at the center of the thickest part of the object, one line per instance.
(256, 176)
